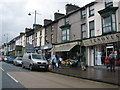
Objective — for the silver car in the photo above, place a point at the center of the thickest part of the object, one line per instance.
(17, 61)
(34, 61)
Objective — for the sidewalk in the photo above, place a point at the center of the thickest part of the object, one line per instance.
(96, 73)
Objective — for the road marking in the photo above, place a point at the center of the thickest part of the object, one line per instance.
(84, 79)
(1, 69)
(12, 77)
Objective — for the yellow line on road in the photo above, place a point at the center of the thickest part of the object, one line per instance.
(85, 79)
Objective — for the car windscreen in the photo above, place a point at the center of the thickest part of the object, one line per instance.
(19, 58)
(37, 56)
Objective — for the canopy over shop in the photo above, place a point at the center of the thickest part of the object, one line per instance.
(68, 50)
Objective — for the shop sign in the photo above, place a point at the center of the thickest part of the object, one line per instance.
(68, 44)
(101, 40)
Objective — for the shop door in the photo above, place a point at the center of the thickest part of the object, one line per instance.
(83, 51)
(92, 57)
(109, 49)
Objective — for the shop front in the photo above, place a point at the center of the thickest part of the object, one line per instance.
(69, 52)
(45, 50)
(100, 47)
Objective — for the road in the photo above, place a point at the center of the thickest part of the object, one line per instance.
(16, 77)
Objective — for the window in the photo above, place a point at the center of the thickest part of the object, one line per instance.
(83, 13)
(46, 30)
(67, 20)
(52, 28)
(109, 23)
(65, 34)
(91, 10)
(91, 27)
(108, 3)
(83, 28)
(51, 38)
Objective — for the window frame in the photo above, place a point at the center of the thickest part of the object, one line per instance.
(108, 3)
(65, 36)
(83, 15)
(83, 31)
(91, 10)
(111, 22)
(92, 29)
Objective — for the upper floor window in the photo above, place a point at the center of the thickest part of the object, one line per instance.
(109, 23)
(65, 34)
(66, 20)
(108, 3)
(91, 27)
(51, 38)
(52, 28)
(83, 28)
(83, 13)
(46, 30)
(91, 10)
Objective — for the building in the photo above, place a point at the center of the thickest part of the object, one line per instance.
(68, 34)
(103, 30)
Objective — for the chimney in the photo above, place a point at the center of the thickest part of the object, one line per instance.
(70, 8)
(22, 33)
(37, 26)
(47, 21)
(57, 15)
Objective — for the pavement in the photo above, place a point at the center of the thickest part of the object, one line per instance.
(96, 73)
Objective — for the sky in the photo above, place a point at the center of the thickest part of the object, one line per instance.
(14, 16)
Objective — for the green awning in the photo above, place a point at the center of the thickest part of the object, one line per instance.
(63, 48)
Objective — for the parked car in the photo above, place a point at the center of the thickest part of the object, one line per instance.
(17, 61)
(9, 59)
(4, 58)
(34, 61)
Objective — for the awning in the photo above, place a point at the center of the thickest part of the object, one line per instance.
(62, 48)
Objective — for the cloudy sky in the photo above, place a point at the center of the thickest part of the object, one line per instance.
(14, 14)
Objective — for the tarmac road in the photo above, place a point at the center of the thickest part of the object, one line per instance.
(16, 77)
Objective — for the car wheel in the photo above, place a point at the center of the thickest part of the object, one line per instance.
(23, 66)
(31, 68)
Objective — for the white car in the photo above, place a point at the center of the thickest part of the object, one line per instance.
(17, 61)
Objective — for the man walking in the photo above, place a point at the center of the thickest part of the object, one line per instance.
(112, 61)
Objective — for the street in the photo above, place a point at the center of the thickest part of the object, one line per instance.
(16, 77)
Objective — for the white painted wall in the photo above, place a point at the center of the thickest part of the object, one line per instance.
(43, 37)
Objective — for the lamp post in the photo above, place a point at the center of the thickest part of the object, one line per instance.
(34, 25)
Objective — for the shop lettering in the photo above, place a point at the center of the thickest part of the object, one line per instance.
(117, 36)
(107, 37)
(112, 37)
(103, 38)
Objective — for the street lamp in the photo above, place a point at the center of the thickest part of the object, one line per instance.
(34, 25)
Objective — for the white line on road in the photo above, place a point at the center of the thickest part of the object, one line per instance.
(12, 78)
(1, 69)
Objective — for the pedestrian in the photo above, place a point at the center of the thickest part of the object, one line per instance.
(59, 61)
(112, 59)
(83, 62)
(107, 62)
(54, 61)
